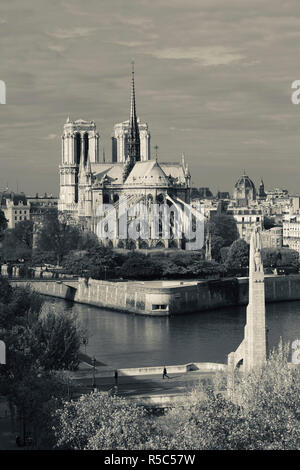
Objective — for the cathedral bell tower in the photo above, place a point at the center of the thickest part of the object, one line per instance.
(80, 143)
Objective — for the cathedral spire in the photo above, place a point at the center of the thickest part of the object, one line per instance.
(133, 131)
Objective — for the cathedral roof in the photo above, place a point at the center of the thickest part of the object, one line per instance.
(175, 170)
(112, 172)
(147, 173)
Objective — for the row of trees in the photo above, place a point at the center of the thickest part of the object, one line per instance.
(103, 263)
(57, 237)
(263, 415)
(80, 253)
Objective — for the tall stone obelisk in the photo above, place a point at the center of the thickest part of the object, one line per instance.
(252, 350)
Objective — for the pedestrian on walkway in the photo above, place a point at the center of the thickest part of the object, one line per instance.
(165, 373)
(116, 378)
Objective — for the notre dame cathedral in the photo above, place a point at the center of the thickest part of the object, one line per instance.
(132, 175)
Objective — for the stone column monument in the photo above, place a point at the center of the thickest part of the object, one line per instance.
(252, 351)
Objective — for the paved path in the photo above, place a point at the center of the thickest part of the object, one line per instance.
(179, 383)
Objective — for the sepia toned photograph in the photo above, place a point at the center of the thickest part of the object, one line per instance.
(149, 229)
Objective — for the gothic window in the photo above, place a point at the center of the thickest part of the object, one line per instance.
(143, 245)
(86, 147)
(131, 245)
(160, 198)
(77, 148)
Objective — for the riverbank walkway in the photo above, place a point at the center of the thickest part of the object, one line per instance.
(141, 387)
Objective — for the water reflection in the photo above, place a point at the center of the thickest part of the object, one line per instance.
(127, 340)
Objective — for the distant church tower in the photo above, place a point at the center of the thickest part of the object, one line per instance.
(261, 191)
(80, 142)
(131, 138)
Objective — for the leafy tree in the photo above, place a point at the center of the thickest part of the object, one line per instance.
(5, 292)
(98, 262)
(23, 232)
(100, 421)
(139, 266)
(56, 342)
(3, 224)
(238, 256)
(223, 231)
(276, 257)
(88, 241)
(224, 253)
(12, 248)
(205, 423)
(17, 242)
(57, 235)
(183, 266)
(43, 257)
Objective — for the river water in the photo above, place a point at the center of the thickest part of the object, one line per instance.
(128, 340)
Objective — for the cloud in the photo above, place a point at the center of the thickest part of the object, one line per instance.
(188, 129)
(206, 56)
(72, 33)
(255, 142)
(131, 43)
(51, 137)
(56, 47)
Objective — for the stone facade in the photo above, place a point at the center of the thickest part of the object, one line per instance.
(272, 238)
(291, 233)
(16, 208)
(247, 218)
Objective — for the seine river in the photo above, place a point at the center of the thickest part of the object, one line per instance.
(127, 340)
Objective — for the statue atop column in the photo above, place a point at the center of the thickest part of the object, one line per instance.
(252, 350)
(255, 252)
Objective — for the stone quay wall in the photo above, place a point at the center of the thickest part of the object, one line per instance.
(163, 298)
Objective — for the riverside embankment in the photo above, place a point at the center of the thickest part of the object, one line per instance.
(163, 298)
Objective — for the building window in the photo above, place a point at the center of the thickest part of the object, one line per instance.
(159, 307)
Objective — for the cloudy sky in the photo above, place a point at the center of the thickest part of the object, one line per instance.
(213, 80)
